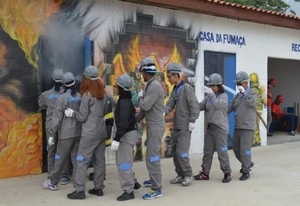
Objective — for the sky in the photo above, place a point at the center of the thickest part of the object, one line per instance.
(295, 6)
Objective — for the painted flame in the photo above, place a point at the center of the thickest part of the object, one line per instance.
(24, 21)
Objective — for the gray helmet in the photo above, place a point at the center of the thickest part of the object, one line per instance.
(147, 65)
(214, 79)
(241, 77)
(57, 75)
(68, 79)
(174, 68)
(91, 72)
(125, 82)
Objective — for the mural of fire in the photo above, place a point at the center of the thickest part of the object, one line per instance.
(164, 45)
(20, 125)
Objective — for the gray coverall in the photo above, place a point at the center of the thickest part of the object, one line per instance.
(215, 106)
(152, 108)
(92, 141)
(68, 134)
(127, 135)
(47, 102)
(244, 107)
(185, 103)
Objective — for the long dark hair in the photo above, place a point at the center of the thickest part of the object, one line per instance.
(57, 86)
(221, 88)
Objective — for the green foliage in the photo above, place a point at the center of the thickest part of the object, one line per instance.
(272, 5)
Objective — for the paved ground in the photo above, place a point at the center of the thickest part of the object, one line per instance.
(275, 180)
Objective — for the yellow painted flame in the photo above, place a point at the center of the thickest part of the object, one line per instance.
(24, 21)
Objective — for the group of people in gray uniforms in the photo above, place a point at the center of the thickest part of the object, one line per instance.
(77, 129)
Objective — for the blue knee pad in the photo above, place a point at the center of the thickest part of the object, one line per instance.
(184, 155)
(154, 159)
(248, 152)
(224, 149)
(79, 157)
(57, 157)
(124, 166)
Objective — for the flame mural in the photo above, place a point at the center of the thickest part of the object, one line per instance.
(20, 128)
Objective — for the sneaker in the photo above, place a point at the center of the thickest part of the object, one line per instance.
(245, 176)
(126, 196)
(76, 195)
(292, 133)
(64, 180)
(94, 191)
(152, 194)
(201, 176)
(187, 180)
(227, 178)
(148, 183)
(176, 180)
(137, 186)
(48, 185)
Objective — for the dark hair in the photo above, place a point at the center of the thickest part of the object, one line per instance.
(221, 88)
(57, 86)
(73, 89)
(124, 94)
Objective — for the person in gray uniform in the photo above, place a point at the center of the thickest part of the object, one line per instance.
(244, 107)
(47, 102)
(151, 103)
(184, 101)
(68, 131)
(215, 106)
(93, 135)
(125, 137)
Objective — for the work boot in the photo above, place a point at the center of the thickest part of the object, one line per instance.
(76, 195)
(245, 176)
(126, 196)
(251, 165)
(227, 178)
(94, 191)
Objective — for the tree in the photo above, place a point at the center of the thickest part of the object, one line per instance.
(272, 5)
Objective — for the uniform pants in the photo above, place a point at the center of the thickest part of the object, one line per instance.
(181, 146)
(66, 148)
(215, 140)
(124, 162)
(242, 142)
(51, 151)
(89, 147)
(154, 136)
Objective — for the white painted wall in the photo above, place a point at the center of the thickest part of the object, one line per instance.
(262, 41)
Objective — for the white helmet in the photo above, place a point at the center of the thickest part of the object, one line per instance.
(241, 77)
(125, 82)
(91, 72)
(57, 75)
(214, 79)
(147, 65)
(174, 68)
(68, 79)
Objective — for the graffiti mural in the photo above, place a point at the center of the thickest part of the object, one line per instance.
(20, 123)
(260, 105)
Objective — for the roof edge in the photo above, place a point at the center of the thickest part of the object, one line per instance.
(227, 9)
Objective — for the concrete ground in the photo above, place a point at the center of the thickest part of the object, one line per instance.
(275, 180)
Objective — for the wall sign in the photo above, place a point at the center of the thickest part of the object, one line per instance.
(222, 38)
(295, 47)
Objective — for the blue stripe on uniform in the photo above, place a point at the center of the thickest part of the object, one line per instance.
(124, 166)
(248, 152)
(57, 157)
(79, 157)
(154, 159)
(224, 149)
(184, 155)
